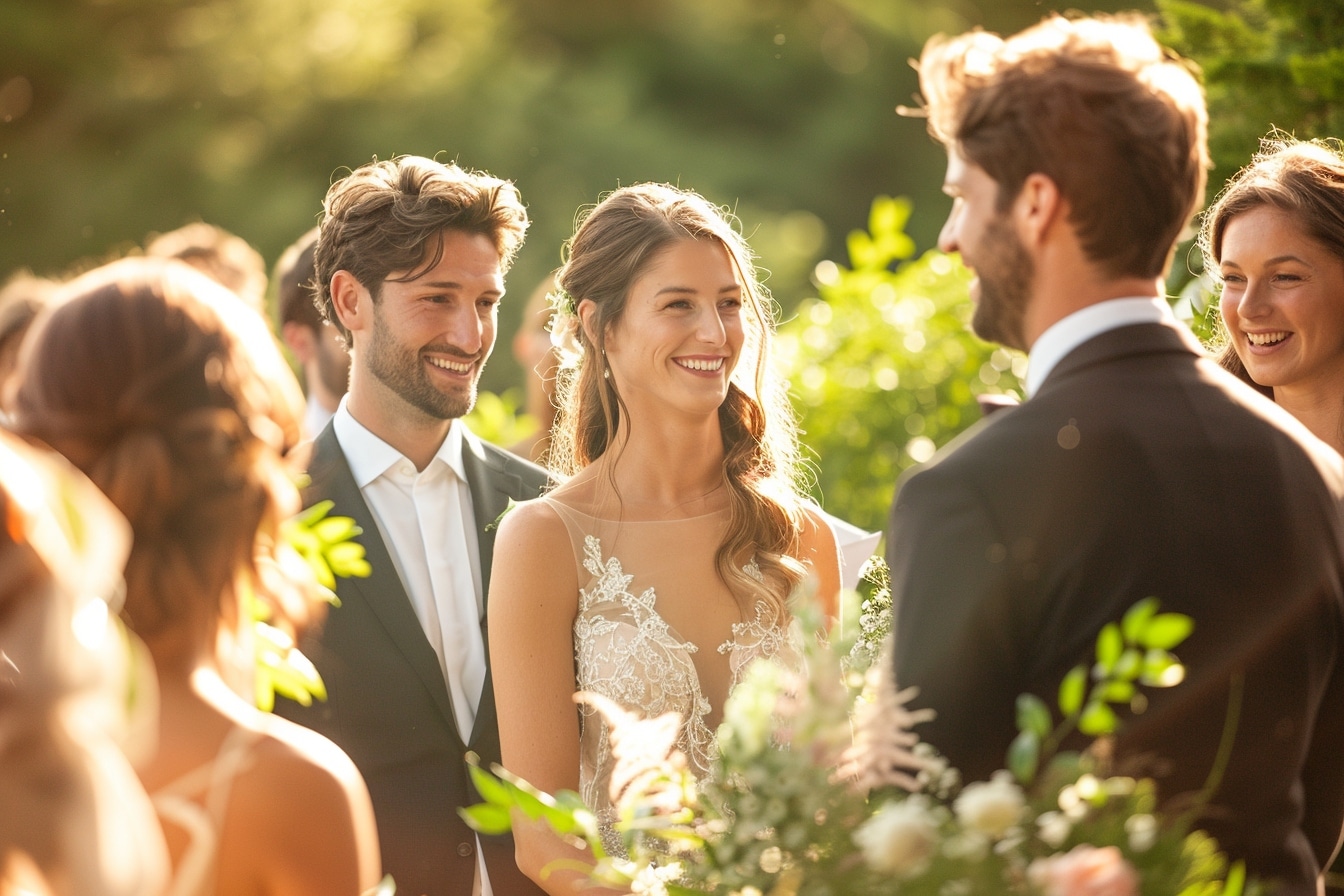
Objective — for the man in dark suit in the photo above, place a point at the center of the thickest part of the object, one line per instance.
(410, 266)
(1135, 468)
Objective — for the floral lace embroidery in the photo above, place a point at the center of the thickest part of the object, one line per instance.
(626, 651)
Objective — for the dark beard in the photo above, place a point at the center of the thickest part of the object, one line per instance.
(1005, 272)
(403, 372)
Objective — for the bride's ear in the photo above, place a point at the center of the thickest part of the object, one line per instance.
(587, 310)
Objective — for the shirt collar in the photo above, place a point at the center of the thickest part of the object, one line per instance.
(1072, 331)
(370, 457)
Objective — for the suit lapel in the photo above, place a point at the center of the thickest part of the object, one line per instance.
(492, 488)
(383, 590)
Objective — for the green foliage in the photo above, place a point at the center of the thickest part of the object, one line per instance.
(1134, 651)
(883, 365)
(327, 544)
(782, 812)
(1265, 63)
(325, 547)
(499, 418)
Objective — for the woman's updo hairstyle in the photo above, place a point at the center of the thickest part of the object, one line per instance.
(171, 395)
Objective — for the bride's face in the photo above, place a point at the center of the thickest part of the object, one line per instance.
(676, 345)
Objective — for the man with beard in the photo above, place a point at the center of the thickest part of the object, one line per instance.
(410, 260)
(1135, 468)
(315, 344)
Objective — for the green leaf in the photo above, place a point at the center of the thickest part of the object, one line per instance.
(1109, 645)
(1129, 665)
(1024, 756)
(1162, 670)
(347, 559)
(1167, 630)
(1098, 719)
(1136, 619)
(487, 818)
(862, 252)
(1071, 691)
(491, 789)
(308, 518)
(1033, 715)
(1118, 691)
(336, 529)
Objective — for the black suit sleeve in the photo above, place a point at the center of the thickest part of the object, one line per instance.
(953, 620)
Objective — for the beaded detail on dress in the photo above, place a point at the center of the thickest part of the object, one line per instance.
(626, 651)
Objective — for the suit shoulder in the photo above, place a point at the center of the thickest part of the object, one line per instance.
(535, 478)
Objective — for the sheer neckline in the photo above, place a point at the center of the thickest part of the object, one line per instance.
(626, 521)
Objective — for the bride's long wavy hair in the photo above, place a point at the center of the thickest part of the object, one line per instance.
(614, 244)
(171, 395)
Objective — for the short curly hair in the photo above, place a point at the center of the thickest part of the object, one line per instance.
(382, 220)
(1095, 104)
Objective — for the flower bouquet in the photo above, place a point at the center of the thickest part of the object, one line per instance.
(821, 788)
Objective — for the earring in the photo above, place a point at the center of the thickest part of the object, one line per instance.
(606, 369)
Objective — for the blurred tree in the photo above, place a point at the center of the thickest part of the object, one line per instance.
(1266, 64)
(123, 117)
(884, 366)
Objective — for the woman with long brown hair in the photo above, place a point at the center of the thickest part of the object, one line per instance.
(171, 395)
(1274, 239)
(664, 564)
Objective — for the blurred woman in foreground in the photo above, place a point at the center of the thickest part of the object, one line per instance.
(169, 393)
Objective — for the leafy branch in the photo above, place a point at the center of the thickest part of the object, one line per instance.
(326, 545)
(1136, 651)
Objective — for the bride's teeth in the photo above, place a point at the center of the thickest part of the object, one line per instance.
(449, 365)
(1266, 338)
(697, 364)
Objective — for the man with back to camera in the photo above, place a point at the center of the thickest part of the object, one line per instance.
(1136, 467)
(410, 260)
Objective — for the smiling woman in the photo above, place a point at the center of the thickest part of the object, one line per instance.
(1275, 238)
(663, 566)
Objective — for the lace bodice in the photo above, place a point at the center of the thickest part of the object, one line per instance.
(627, 651)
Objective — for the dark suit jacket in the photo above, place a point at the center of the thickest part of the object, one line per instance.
(388, 705)
(1140, 469)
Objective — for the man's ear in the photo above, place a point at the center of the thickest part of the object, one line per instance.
(300, 339)
(352, 302)
(1038, 207)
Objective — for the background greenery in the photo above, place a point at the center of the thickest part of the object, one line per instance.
(119, 118)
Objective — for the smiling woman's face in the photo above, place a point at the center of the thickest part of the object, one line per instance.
(1283, 302)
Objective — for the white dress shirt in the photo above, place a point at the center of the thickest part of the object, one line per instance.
(427, 522)
(1066, 334)
(416, 510)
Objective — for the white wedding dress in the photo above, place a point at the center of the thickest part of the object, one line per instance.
(626, 651)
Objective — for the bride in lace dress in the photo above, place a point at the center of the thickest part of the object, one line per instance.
(661, 567)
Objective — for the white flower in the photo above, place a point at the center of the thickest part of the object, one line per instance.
(899, 838)
(967, 845)
(1142, 831)
(652, 879)
(1053, 828)
(991, 807)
